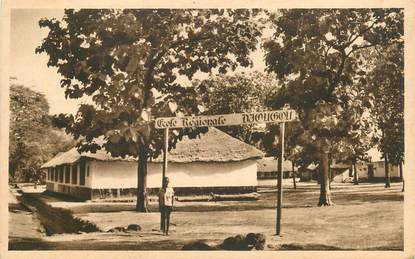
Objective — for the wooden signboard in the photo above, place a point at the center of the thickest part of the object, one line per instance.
(226, 119)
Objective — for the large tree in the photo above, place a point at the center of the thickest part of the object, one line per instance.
(28, 122)
(318, 54)
(32, 139)
(386, 81)
(133, 63)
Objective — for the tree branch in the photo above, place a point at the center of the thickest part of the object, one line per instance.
(361, 33)
(152, 62)
(341, 48)
(335, 80)
(360, 47)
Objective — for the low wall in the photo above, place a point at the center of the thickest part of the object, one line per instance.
(82, 193)
(85, 193)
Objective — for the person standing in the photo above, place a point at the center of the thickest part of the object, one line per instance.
(166, 200)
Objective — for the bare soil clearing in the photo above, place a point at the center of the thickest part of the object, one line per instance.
(366, 217)
(335, 226)
(306, 195)
(24, 226)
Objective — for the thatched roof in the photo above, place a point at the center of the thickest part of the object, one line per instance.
(270, 164)
(213, 146)
(72, 156)
(340, 166)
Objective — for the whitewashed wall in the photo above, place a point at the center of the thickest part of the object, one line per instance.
(341, 177)
(196, 174)
(379, 169)
(115, 174)
(362, 170)
(203, 174)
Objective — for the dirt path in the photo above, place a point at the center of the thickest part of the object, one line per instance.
(24, 226)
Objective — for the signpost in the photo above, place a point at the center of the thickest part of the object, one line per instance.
(165, 151)
(280, 116)
(279, 180)
(226, 119)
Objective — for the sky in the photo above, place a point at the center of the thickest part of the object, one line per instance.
(30, 68)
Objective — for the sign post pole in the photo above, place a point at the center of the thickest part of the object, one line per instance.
(163, 174)
(165, 150)
(279, 182)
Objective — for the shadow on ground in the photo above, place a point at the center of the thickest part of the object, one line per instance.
(55, 220)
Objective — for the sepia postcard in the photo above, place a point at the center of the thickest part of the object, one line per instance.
(195, 129)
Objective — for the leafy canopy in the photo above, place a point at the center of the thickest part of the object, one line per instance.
(134, 62)
(318, 53)
(238, 93)
(386, 81)
(32, 139)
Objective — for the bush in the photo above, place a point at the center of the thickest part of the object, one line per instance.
(239, 242)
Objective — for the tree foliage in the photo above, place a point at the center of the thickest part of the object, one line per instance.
(32, 140)
(387, 84)
(238, 93)
(132, 63)
(318, 54)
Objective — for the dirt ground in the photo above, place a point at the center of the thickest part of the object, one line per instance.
(25, 225)
(366, 217)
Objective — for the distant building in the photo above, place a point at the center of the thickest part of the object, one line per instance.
(376, 170)
(215, 162)
(344, 172)
(268, 168)
(341, 172)
(308, 172)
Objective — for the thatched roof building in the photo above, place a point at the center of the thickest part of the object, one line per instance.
(214, 162)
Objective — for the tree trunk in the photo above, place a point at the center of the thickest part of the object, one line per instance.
(325, 197)
(355, 174)
(400, 171)
(294, 183)
(141, 205)
(329, 179)
(387, 175)
(401, 176)
(330, 175)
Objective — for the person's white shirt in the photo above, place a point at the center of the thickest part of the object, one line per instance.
(168, 196)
